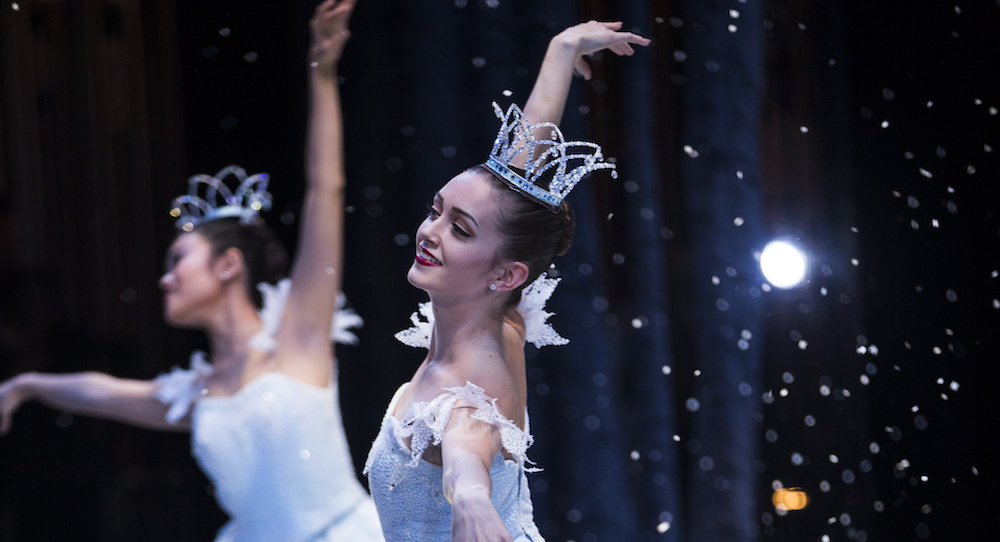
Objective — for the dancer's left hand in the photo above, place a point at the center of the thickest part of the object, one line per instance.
(475, 520)
(329, 34)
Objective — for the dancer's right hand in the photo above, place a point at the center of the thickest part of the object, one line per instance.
(13, 392)
(329, 34)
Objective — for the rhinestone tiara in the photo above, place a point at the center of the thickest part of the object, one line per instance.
(245, 202)
(554, 153)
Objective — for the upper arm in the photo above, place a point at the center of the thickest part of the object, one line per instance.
(317, 268)
(465, 437)
(97, 394)
(135, 402)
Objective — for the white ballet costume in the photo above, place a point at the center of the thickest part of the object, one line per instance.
(407, 489)
(275, 450)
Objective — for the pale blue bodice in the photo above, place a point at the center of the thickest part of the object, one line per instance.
(407, 489)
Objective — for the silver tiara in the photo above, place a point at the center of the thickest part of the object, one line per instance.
(245, 202)
(543, 154)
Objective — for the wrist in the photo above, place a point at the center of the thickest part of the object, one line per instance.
(563, 42)
(318, 71)
(25, 384)
(470, 493)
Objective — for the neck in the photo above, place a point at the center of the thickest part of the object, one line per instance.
(230, 328)
(464, 324)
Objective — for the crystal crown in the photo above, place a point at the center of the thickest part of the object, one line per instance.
(568, 160)
(202, 202)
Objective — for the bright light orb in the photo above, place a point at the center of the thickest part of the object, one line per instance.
(784, 266)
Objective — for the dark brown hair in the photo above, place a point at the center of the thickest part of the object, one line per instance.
(264, 257)
(532, 234)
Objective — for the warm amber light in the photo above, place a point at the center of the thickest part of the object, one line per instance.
(789, 498)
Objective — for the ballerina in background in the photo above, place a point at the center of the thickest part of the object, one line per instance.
(449, 461)
(264, 415)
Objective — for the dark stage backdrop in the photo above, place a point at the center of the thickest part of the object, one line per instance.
(690, 392)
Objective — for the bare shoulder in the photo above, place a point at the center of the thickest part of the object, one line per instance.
(487, 370)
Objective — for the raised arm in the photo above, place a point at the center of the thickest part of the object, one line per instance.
(564, 54)
(304, 347)
(91, 394)
(468, 448)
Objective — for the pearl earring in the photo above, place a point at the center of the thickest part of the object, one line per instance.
(493, 287)
(225, 275)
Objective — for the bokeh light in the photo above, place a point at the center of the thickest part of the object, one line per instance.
(783, 265)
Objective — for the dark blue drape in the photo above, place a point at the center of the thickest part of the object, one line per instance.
(720, 179)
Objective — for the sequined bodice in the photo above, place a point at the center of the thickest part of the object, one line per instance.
(407, 489)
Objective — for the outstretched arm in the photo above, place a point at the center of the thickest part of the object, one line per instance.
(564, 54)
(304, 347)
(467, 451)
(91, 394)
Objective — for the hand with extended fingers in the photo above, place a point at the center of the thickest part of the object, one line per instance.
(593, 36)
(329, 33)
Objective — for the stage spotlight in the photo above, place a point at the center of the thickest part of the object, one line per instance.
(784, 266)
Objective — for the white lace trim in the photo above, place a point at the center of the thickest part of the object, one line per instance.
(424, 423)
(276, 295)
(532, 308)
(180, 388)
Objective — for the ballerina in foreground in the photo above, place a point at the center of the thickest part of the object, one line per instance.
(449, 461)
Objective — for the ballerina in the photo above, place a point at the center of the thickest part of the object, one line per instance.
(264, 414)
(449, 461)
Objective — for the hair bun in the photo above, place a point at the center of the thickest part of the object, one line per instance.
(569, 228)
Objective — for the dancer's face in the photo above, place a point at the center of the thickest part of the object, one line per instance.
(190, 283)
(457, 243)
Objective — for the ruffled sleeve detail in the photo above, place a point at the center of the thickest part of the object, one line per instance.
(180, 388)
(532, 308)
(276, 295)
(425, 422)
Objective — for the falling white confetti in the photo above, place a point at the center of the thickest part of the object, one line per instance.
(925, 173)
(885, 124)
(738, 221)
(666, 369)
(690, 151)
(507, 93)
(804, 129)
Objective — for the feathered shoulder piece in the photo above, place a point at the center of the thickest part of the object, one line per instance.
(532, 308)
